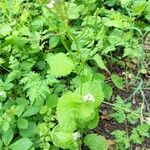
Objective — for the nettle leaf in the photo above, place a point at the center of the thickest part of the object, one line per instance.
(60, 64)
(7, 136)
(95, 142)
(21, 144)
(117, 81)
(5, 29)
(22, 123)
(100, 62)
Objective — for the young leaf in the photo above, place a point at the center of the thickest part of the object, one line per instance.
(95, 142)
(22, 123)
(117, 81)
(7, 136)
(21, 144)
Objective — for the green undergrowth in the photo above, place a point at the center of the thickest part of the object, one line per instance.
(54, 71)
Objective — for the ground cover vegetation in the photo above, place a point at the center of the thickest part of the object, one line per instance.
(69, 69)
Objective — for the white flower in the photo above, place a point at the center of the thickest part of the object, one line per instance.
(51, 4)
(76, 135)
(2, 94)
(88, 97)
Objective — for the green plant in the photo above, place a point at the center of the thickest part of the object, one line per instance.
(54, 61)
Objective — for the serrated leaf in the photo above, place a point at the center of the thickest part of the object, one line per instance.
(117, 81)
(95, 142)
(21, 144)
(7, 136)
(60, 64)
(22, 123)
(100, 62)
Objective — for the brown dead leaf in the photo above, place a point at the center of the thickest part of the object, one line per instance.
(111, 144)
(105, 115)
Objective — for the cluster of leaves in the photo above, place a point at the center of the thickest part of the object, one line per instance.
(50, 85)
(123, 114)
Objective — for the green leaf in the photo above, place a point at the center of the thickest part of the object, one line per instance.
(117, 81)
(21, 144)
(94, 122)
(125, 2)
(20, 110)
(36, 87)
(139, 7)
(63, 139)
(100, 62)
(5, 126)
(22, 123)
(53, 41)
(1, 143)
(95, 142)
(60, 64)
(66, 105)
(52, 101)
(5, 29)
(76, 9)
(29, 131)
(7, 136)
(32, 110)
(107, 90)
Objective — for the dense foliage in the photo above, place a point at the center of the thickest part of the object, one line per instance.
(54, 60)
